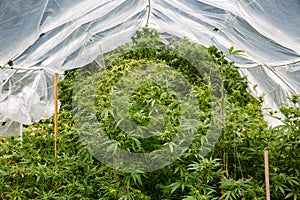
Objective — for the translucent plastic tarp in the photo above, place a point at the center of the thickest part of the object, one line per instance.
(41, 37)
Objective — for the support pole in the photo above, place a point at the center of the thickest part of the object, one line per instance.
(267, 174)
(21, 132)
(55, 112)
(149, 13)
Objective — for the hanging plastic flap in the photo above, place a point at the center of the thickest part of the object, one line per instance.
(9, 128)
(27, 97)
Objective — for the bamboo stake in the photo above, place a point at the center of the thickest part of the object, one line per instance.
(267, 174)
(55, 112)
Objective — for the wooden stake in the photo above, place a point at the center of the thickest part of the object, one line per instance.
(21, 132)
(267, 174)
(55, 112)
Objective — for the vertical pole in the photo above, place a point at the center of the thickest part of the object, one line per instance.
(267, 174)
(21, 132)
(55, 112)
(149, 13)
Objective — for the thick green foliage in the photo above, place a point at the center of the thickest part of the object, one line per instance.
(233, 170)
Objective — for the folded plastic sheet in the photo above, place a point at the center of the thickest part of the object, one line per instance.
(48, 36)
(10, 128)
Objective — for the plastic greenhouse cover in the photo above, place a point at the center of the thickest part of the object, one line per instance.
(42, 37)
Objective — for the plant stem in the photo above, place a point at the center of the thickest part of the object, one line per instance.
(105, 71)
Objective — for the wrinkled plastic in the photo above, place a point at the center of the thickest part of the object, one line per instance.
(44, 37)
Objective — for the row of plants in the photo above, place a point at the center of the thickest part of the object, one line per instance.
(233, 169)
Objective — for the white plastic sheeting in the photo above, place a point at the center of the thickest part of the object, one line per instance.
(42, 37)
